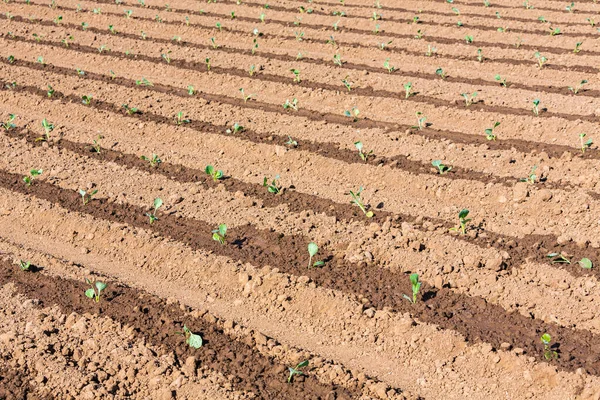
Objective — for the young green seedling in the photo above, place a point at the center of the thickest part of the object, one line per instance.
(577, 88)
(296, 370)
(585, 145)
(585, 263)
(558, 258)
(353, 113)
(383, 45)
(363, 155)
(252, 70)
(416, 286)
(48, 127)
(501, 80)
(272, 187)
(8, 125)
(144, 82)
(463, 221)
(207, 62)
(28, 179)
(337, 60)
(191, 339)
(214, 173)
(480, 55)
(347, 84)
(489, 132)
(420, 34)
(442, 168)
(95, 291)
(219, 234)
(296, 73)
(313, 249)
(469, 39)
(236, 128)
(549, 354)
(577, 48)
(469, 98)
(291, 104)
(420, 121)
(129, 110)
(157, 204)
(246, 98)
(570, 8)
(291, 142)
(440, 72)
(527, 5)
(179, 120)
(408, 90)
(24, 265)
(555, 31)
(86, 197)
(387, 66)
(540, 59)
(430, 51)
(86, 99)
(154, 160)
(536, 107)
(532, 177)
(356, 200)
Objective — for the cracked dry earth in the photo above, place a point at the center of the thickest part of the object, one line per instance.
(486, 296)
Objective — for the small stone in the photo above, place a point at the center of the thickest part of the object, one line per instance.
(505, 346)
(260, 339)
(544, 195)
(520, 192)
(518, 351)
(370, 312)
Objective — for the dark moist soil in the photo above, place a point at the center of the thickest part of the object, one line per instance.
(157, 321)
(325, 149)
(14, 383)
(473, 317)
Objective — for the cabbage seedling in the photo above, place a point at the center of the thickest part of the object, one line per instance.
(157, 204)
(463, 221)
(536, 105)
(540, 59)
(291, 104)
(501, 80)
(577, 48)
(50, 91)
(558, 258)
(585, 263)
(363, 156)
(352, 114)
(213, 172)
(430, 51)
(154, 160)
(246, 98)
(218, 234)
(144, 82)
(297, 370)
(48, 127)
(347, 84)
(408, 90)
(356, 200)
(387, 66)
(95, 291)
(313, 249)
(416, 286)
(549, 354)
(86, 99)
(207, 62)
(479, 55)
(337, 60)
(291, 142)
(272, 187)
(296, 73)
(440, 72)
(489, 132)
(191, 91)
(191, 339)
(28, 179)
(87, 196)
(129, 110)
(469, 39)
(179, 120)
(236, 128)
(420, 121)
(532, 177)
(570, 8)
(555, 31)
(577, 88)
(8, 125)
(24, 265)
(442, 168)
(469, 98)
(585, 145)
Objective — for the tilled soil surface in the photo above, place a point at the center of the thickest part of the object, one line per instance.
(281, 93)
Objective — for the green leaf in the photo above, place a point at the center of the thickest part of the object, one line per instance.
(546, 338)
(414, 279)
(194, 340)
(209, 169)
(358, 145)
(157, 203)
(222, 229)
(312, 249)
(302, 364)
(100, 286)
(319, 264)
(586, 263)
(436, 163)
(369, 214)
(463, 213)
(36, 172)
(90, 293)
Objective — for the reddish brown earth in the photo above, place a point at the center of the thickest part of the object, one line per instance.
(487, 296)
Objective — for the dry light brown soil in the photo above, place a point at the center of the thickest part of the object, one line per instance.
(487, 295)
